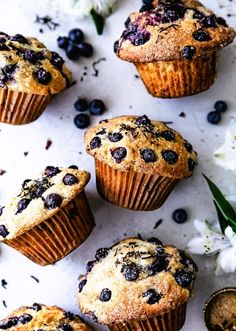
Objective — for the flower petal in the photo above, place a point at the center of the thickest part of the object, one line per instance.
(226, 261)
(196, 246)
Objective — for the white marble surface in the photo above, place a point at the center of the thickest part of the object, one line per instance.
(120, 90)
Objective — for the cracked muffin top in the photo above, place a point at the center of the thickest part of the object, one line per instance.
(172, 30)
(43, 318)
(135, 279)
(26, 65)
(131, 142)
(40, 199)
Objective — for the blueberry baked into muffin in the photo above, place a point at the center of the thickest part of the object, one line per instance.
(175, 45)
(138, 161)
(29, 76)
(49, 217)
(43, 318)
(138, 285)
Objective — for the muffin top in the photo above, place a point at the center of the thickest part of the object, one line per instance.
(172, 30)
(44, 318)
(26, 65)
(131, 142)
(40, 199)
(135, 279)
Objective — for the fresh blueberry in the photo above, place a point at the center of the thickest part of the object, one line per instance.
(131, 272)
(51, 171)
(76, 36)
(221, 106)
(63, 42)
(43, 76)
(96, 107)
(180, 216)
(56, 60)
(22, 205)
(115, 137)
(85, 49)
(154, 241)
(20, 39)
(3, 231)
(214, 117)
(72, 52)
(119, 154)
(143, 120)
(24, 319)
(148, 155)
(184, 279)
(168, 135)
(82, 284)
(191, 164)
(153, 296)
(96, 142)
(105, 295)
(82, 121)
(209, 21)
(30, 56)
(101, 253)
(70, 180)
(81, 105)
(201, 35)
(53, 201)
(170, 157)
(65, 327)
(188, 52)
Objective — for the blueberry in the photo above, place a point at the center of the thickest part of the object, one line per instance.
(198, 15)
(56, 60)
(3, 231)
(96, 142)
(65, 327)
(154, 241)
(96, 107)
(72, 52)
(38, 192)
(131, 272)
(41, 55)
(116, 46)
(101, 253)
(221, 106)
(191, 164)
(63, 42)
(160, 250)
(11, 322)
(214, 117)
(22, 205)
(105, 295)
(30, 56)
(70, 180)
(82, 284)
(69, 315)
(82, 121)
(184, 279)
(20, 39)
(173, 12)
(148, 155)
(51, 171)
(81, 105)
(36, 307)
(53, 201)
(180, 216)
(137, 36)
(153, 296)
(187, 261)
(73, 166)
(8, 73)
(168, 135)
(143, 120)
(188, 146)
(201, 35)
(43, 76)
(188, 52)
(115, 137)
(85, 49)
(170, 157)
(24, 319)
(160, 264)
(221, 21)
(90, 265)
(76, 36)
(119, 154)
(209, 21)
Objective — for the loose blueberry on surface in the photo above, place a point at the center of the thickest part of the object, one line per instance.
(201, 35)
(155, 241)
(184, 279)
(148, 155)
(160, 264)
(188, 146)
(76, 36)
(70, 180)
(56, 60)
(214, 117)
(72, 52)
(191, 164)
(24, 319)
(143, 120)
(221, 106)
(20, 39)
(85, 49)
(30, 56)
(131, 272)
(22, 205)
(222, 21)
(81, 105)
(188, 52)
(180, 216)
(96, 142)
(43, 76)
(82, 284)
(168, 135)
(153, 296)
(115, 137)
(90, 265)
(170, 157)
(51, 171)
(3, 231)
(65, 327)
(105, 295)
(52, 201)
(209, 21)
(96, 107)
(82, 121)
(101, 253)
(119, 154)
(36, 307)
(62, 42)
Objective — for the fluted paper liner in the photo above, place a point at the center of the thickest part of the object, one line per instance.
(174, 79)
(21, 108)
(171, 321)
(57, 236)
(132, 190)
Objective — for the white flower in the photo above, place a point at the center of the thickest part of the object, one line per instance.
(211, 242)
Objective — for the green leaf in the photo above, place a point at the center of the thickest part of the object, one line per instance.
(99, 21)
(226, 213)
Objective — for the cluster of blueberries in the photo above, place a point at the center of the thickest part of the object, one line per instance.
(215, 116)
(74, 45)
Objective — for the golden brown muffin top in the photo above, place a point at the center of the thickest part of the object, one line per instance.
(135, 279)
(40, 199)
(172, 30)
(26, 65)
(42, 318)
(137, 143)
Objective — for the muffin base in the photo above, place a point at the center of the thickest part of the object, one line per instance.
(172, 321)
(57, 236)
(132, 190)
(175, 79)
(21, 108)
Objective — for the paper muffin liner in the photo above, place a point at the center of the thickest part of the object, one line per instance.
(21, 108)
(174, 79)
(171, 321)
(132, 190)
(57, 236)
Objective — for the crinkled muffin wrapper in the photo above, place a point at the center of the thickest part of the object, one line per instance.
(132, 190)
(171, 321)
(57, 236)
(180, 78)
(19, 108)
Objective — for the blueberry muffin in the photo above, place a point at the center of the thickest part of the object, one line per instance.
(29, 76)
(138, 285)
(174, 45)
(43, 318)
(138, 161)
(49, 217)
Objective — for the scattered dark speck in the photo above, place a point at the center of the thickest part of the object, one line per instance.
(41, 30)
(94, 65)
(2, 172)
(4, 283)
(26, 153)
(48, 21)
(48, 144)
(168, 123)
(182, 114)
(34, 278)
(136, 76)
(158, 223)
(4, 303)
